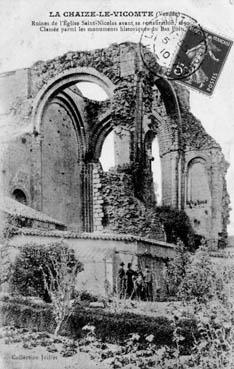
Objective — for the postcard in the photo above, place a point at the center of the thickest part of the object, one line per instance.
(116, 184)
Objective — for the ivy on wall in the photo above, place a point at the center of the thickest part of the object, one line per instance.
(124, 213)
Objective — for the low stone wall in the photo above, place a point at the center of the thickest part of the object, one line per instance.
(101, 255)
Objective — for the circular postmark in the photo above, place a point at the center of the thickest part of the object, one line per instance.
(173, 45)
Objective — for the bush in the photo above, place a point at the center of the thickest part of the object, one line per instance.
(88, 296)
(34, 268)
(201, 281)
(25, 313)
(177, 225)
(114, 327)
(176, 269)
(109, 327)
(9, 226)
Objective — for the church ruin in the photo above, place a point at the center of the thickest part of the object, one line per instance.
(53, 165)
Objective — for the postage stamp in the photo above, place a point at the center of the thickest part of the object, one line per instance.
(164, 43)
(176, 47)
(206, 76)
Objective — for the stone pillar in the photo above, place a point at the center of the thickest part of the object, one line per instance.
(87, 196)
(36, 172)
(97, 201)
(138, 149)
(216, 194)
(169, 179)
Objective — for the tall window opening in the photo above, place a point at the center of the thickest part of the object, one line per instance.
(107, 157)
(156, 171)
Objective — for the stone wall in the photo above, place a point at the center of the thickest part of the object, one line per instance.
(102, 254)
(55, 158)
(123, 212)
(16, 167)
(14, 87)
(208, 216)
(98, 213)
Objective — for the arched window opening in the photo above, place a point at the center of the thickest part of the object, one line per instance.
(19, 196)
(156, 171)
(107, 157)
(92, 91)
(198, 191)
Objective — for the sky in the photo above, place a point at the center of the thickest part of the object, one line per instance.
(21, 45)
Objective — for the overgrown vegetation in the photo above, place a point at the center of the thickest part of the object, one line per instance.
(199, 334)
(48, 272)
(176, 269)
(177, 225)
(193, 276)
(124, 213)
(9, 226)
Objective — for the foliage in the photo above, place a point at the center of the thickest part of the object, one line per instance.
(115, 327)
(35, 266)
(177, 225)
(124, 213)
(59, 276)
(176, 268)
(201, 281)
(87, 296)
(200, 338)
(30, 338)
(213, 349)
(25, 312)
(5, 263)
(10, 226)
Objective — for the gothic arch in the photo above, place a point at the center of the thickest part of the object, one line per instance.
(64, 80)
(65, 100)
(99, 133)
(170, 127)
(60, 158)
(169, 98)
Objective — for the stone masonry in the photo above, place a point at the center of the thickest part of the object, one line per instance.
(53, 160)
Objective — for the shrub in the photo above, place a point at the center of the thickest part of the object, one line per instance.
(176, 269)
(7, 253)
(23, 312)
(201, 282)
(109, 327)
(114, 327)
(9, 226)
(87, 296)
(36, 266)
(177, 225)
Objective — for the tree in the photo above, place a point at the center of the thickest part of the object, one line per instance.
(49, 272)
(62, 274)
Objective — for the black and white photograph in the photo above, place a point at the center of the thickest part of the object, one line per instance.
(116, 184)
